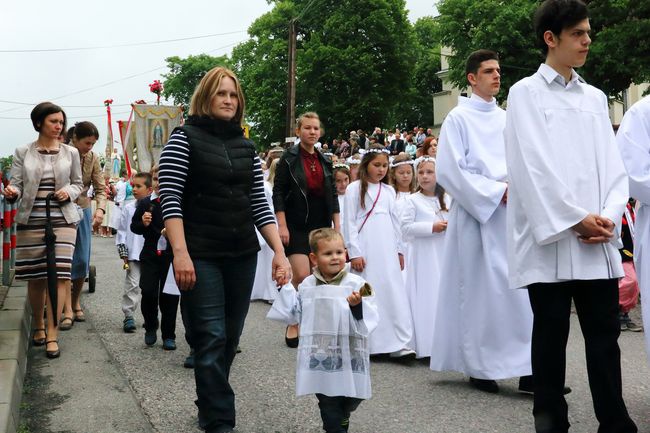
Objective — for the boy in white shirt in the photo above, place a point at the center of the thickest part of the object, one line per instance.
(129, 246)
(567, 193)
(333, 353)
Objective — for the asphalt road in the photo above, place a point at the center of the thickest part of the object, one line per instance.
(108, 381)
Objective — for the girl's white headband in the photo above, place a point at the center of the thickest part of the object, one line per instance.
(397, 164)
(422, 159)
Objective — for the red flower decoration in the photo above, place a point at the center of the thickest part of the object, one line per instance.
(157, 88)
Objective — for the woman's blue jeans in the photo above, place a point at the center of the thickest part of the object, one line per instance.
(215, 310)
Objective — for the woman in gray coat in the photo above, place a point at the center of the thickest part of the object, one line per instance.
(38, 169)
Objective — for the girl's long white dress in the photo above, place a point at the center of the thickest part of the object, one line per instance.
(400, 202)
(424, 253)
(379, 243)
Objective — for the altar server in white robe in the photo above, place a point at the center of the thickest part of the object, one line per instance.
(336, 313)
(483, 328)
(567, 193)
(633, 139)
(373, 238)
(424, 221)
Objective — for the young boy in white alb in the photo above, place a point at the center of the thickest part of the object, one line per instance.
(333, 354)
(129, 246)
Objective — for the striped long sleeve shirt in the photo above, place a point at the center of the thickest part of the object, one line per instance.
(174, 166)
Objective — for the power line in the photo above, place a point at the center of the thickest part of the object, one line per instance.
(304, 11)
(67, 106)
(133, 44)
(85, 117)
(111, 82)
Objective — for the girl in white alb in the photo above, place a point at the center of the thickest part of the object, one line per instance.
(373, 239)
(341, 181)
(402, 178)
(424, 222)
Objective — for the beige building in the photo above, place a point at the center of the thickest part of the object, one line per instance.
(447, 99)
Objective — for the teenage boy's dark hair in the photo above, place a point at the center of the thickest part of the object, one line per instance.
(557, 15)
(146, 178)
(476, 58)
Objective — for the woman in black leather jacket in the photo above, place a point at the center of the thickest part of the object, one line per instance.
(304, 198)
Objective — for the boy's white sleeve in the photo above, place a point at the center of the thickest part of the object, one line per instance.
(286, 307)
(370, 317)
(122, 227)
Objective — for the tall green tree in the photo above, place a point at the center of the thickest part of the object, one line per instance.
(425, 67)
(185, 74)
(354, 63)
(618, 57)
(504, 27)
(261, 64)
(620, 54)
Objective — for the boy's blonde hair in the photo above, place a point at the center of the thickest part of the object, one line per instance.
(324, 234)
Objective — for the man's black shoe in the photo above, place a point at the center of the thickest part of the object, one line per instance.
(486, 385)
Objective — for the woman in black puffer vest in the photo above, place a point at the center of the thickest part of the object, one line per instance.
(212, 191)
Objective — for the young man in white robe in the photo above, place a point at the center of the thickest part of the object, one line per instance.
(483, 328)
(633, 139)
(567, 194)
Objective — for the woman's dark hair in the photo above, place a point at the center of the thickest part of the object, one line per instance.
(44, 109)
(557, 15)
(475, 59)
(82, 130)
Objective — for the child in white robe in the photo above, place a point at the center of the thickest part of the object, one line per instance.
(402, 178)
(129, 246)
(372, 231)
(264, 287)
(424, 222)
(342, 179)
(333, 358)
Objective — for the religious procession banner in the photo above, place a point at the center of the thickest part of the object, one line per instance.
(150, 130)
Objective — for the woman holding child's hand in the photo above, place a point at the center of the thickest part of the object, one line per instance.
(212, 191)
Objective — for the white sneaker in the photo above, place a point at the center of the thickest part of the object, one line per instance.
(403, 353)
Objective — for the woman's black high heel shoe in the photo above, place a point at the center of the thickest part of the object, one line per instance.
(53, 353)
(39, 341)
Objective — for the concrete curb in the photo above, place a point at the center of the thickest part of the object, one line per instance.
(15, 326)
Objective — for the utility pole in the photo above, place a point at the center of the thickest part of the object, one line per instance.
(291, 85)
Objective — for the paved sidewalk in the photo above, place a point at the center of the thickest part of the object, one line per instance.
(83, 391)
(107, 381)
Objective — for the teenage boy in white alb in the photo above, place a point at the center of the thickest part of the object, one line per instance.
(482, 328)
(567, 194)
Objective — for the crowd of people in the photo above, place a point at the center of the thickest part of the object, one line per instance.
(469, 253)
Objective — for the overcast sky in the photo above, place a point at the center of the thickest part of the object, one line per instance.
(80, 81)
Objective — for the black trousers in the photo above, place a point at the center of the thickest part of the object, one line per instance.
(596, 303)
(215, 310)
(153, 272)
(335, 412)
